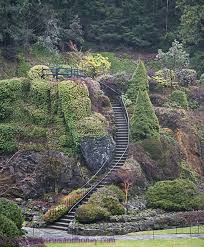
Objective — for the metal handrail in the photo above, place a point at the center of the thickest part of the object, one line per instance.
(103, 165)
(108, 173)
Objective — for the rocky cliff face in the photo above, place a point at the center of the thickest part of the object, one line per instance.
(33, 174)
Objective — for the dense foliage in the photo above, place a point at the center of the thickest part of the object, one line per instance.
(11, 211)
(135, 23)
(176, 195)
(8, 227)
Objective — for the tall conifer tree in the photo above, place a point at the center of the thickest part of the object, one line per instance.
(144, 122)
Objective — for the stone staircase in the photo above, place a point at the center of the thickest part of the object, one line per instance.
(119, 158)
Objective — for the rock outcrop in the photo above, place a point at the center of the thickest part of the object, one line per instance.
(32, 174)
(97, 151)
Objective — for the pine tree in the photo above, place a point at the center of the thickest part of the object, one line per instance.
(139, 82)
(144, 122)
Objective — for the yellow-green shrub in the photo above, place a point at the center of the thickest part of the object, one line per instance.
(64, 205)
(55, 213)
(37, 71)
(95, 64)
(164, 77)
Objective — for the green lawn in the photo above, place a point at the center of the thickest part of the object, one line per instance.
(139, 243)
(185, 230)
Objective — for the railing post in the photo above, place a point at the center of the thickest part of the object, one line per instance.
(56, 71)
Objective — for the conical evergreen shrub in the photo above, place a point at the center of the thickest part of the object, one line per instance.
(139, 81)
(144, 122)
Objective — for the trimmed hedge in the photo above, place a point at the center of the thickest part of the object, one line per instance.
(11, 90)
(11, 211)
(40, 93)
(8, 227)
(175, 195)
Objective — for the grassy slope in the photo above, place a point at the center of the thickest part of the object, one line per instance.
(140, 243)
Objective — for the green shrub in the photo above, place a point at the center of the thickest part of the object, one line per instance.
(187, 173)
(35, 132)
(94, 64)
(8, 227)
(8, 143)
(112, 205)
(38, 116)
(109, 198)
(144, 122)
(11, 211)
(193, 104)
(90, 213)
(178, 98)
(117, 192)
(37, 71)
(173, 195)
(198, 202)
